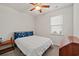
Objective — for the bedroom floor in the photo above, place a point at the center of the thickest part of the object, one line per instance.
(50, 52)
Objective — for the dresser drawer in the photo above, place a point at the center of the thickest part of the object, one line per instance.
(5, 46)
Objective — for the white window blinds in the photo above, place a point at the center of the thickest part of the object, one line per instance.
(56, 24)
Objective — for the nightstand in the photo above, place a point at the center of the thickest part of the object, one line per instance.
(6, 46)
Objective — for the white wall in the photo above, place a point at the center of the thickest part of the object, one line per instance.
(76, 19)
(76, 22)
(12, 20)
(43, 23)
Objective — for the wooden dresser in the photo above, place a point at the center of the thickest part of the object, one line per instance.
(71, 49)
(6, 46)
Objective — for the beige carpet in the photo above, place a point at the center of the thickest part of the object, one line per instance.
(53, 51)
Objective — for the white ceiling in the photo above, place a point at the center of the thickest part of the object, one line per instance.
(25, 7)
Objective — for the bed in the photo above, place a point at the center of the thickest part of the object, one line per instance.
(32, 45)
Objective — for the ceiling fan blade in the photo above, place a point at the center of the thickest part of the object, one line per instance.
(45, 6)
(33, 3)
(32, 9)
(40, 11)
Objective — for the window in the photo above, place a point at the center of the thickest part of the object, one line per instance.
(56, 24)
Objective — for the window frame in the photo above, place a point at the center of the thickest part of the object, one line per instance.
(57, 25)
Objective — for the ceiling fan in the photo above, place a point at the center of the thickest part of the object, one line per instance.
(39, 7)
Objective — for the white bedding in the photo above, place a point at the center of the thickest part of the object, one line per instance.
(33, 45)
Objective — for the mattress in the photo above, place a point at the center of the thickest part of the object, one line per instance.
(33, 45)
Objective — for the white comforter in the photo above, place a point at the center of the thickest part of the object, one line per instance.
(33, 45)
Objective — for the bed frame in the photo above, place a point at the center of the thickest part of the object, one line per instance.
(20, 35)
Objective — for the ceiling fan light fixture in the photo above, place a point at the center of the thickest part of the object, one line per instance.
(37, 8)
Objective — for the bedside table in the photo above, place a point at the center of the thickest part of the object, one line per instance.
(6, 46)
